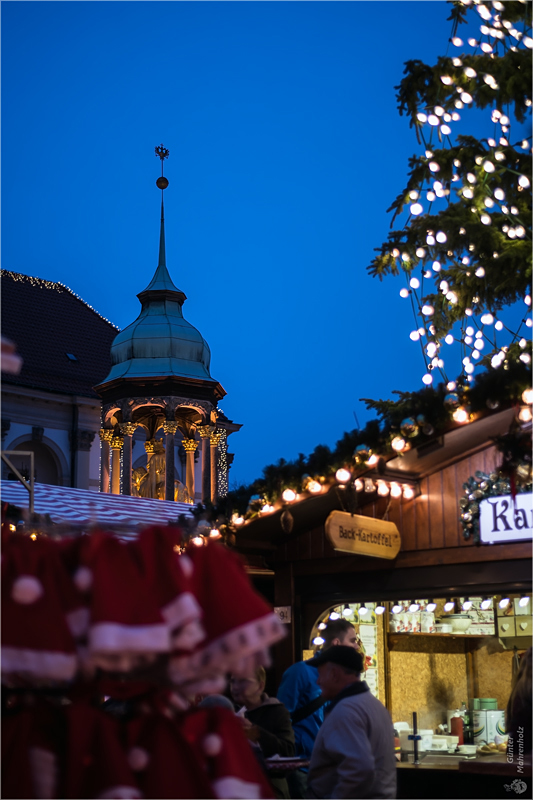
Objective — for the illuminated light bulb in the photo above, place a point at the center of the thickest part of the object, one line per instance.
(414, 283)
(439, 111)
(363, 610)
(457, 62)
(430, 239)
(520, 232)
(523, 181)
(380, 609)
(469, 370)
(460, 414)
(414, 336)
(527, 299)
(197, 540)
(428, 310)
(504, 120)
(347, 611)
(448, 339)
(413, 195)
(503, 141)
(522, 343)
(420, 252)
(441, 237)
(318, 640)
(343, 475)
(491, 142)
(499, 156)
(499, 325)
(383, 489)
(446, 80)
(504, 602)
(466, 97)
(396, 608)
(468, 193)
(471, 178)
(529, 323)
(525, 357)
(436, 266)
(476, 354)
(525, 145)
(398, 444)
(289, 495)
(488, 166)
(433, 119)
(404, 293)
(431, 349)
(524, 601)
(334, 615)
(373, 460)
(214, 533)
(467, 605)
(322, 626)
(455, 116)
(465, 261)
(528, 41)
(431, 196)
(446, 130)
(433, 166)
(427, 379)
(487, 319)
(486, 603)
(489, 202)
(395, 490)
(414, 607)
(421, 117)
(431, 606)
(448, 606)
(396, 253)
(457, 41)
(428, 154)
(405, 257)
(485, 46)
(314, 487)
(527, 396)
(511, 233)
(452, 298)
(416, 209)
(359, 485)
(468, 340)
(451, 386)
(369, 485)
(525, 413)
(485, 219)
(267, 509)
(408, 492)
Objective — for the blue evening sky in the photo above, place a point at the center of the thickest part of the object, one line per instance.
(286, 149)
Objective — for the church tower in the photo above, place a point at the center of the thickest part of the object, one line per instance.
(160, 379)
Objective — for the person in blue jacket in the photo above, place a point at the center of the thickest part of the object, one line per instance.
(301, 695)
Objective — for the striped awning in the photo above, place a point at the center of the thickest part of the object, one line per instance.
(81, 506)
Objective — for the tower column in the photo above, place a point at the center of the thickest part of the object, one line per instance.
(127, 430)
(214, 440)
(205, 432)
(116, 446)
(190, 445)
(106, 434)
(169, 429)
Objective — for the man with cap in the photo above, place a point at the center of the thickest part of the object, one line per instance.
(353, 756)
(300, 694)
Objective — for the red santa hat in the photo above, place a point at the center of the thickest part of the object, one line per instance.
(95, 763)
(37, 596)
(218, 739)
(239, 624)
(125, 621)
(164, 762)
(158, 550)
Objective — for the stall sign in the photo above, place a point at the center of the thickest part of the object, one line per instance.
(364, 536)
(284, 613)
(502, 519)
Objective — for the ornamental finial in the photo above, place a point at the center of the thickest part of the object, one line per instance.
(162, 152)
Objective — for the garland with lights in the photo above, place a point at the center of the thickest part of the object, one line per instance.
(468, 231)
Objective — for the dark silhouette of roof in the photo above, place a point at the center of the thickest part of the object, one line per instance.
(64, 343)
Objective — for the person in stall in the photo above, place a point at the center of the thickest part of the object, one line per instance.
(266, 722)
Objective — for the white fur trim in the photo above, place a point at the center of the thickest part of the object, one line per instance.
(236, 789)
(138, 758)
(27, 589)
(43, 767)
(83, 578)
(38, 663)
(188, 637)
(212, 744)
(233, 650)
(184, 608)
(186, 565)
(120, 793)
(78, 621)
(114, 637)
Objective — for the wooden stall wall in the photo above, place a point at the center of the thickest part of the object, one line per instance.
(494, 672)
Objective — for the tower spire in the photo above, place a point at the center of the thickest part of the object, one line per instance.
(162, 280)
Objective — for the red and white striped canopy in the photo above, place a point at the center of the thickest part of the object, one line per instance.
(81, 506)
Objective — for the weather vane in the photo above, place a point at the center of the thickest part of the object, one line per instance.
(162, 153)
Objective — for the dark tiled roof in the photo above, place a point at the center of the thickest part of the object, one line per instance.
(46, 321)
